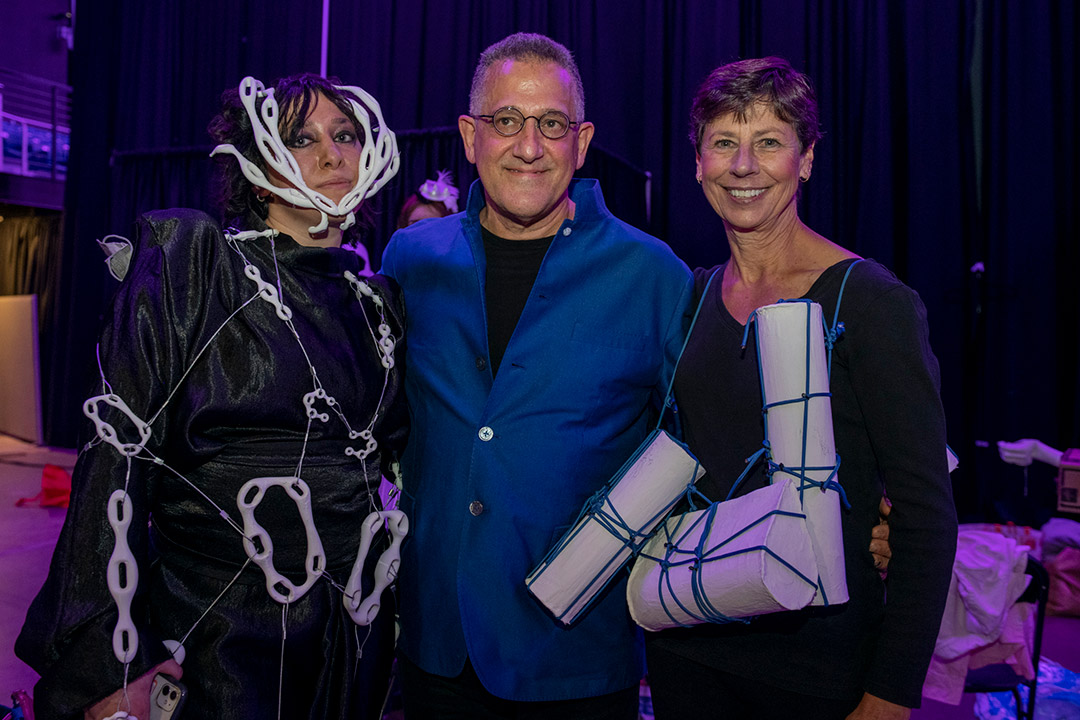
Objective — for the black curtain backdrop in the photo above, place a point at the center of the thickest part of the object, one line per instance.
(950, 154)
(29, 242)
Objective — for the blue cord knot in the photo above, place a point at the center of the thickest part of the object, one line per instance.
(833, 334)
(596, 500)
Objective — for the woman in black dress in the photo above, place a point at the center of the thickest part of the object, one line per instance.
(249, 402)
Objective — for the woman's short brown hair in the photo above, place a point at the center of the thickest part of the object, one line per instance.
(735, 88)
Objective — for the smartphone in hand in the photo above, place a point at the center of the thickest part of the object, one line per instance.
(167, 696)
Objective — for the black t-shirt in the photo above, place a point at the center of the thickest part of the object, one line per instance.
(512, 267)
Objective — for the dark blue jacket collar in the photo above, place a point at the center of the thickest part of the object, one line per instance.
(588, 201)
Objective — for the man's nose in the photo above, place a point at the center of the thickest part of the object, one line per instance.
(529, 142)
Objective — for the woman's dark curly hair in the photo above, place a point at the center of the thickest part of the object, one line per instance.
(296, 96)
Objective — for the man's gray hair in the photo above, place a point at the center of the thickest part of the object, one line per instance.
(527, 47)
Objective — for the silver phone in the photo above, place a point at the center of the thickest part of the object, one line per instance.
(167, 696)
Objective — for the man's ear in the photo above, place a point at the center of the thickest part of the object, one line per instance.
(467, 127)
(584, 137)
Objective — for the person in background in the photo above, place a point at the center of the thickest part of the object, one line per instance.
(246, 356)
(433, 199)
(544, 331)
(754, 125)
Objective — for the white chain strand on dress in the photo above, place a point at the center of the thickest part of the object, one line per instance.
(122, 577)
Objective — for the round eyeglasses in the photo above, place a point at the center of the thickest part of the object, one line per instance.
(509, 121)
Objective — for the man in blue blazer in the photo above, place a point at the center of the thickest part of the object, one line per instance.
(542, 332)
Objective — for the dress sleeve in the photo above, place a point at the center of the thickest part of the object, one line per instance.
(896, 381)
(67, 637)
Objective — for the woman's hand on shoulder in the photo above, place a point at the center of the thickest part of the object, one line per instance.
(138, 693)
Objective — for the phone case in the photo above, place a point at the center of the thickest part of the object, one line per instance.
(167, 697)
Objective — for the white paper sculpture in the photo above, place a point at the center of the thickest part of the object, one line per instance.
(791, 356)
(747, 556)
(612, 525)
(756, 556)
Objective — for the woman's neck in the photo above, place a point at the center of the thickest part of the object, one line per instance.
(767, 266)
(296, 225)
(766, 252)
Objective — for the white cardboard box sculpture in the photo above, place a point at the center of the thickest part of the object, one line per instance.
(791, 353)
(738, 577)
(598, 545)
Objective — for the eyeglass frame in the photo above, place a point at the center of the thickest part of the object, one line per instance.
(490, 119)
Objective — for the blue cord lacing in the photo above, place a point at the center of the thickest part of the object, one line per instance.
(603, 512)
(699, 556)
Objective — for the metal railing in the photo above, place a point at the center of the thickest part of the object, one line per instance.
(35, 120)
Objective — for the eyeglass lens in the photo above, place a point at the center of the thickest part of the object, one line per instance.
(509, 121)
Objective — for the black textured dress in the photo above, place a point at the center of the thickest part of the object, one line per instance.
(212, 366)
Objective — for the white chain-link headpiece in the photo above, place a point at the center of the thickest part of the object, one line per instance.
(378, 156)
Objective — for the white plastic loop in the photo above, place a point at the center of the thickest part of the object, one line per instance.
(122, 577)
(386, 341)
(309, 404)
(176, 650)
(121, 715)
(360, 287)
(268, 292)
(249, 497)
(245, 235)
(379, 158)
(386, 346)
(368, 448)
(364, 610)
(107, 432)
